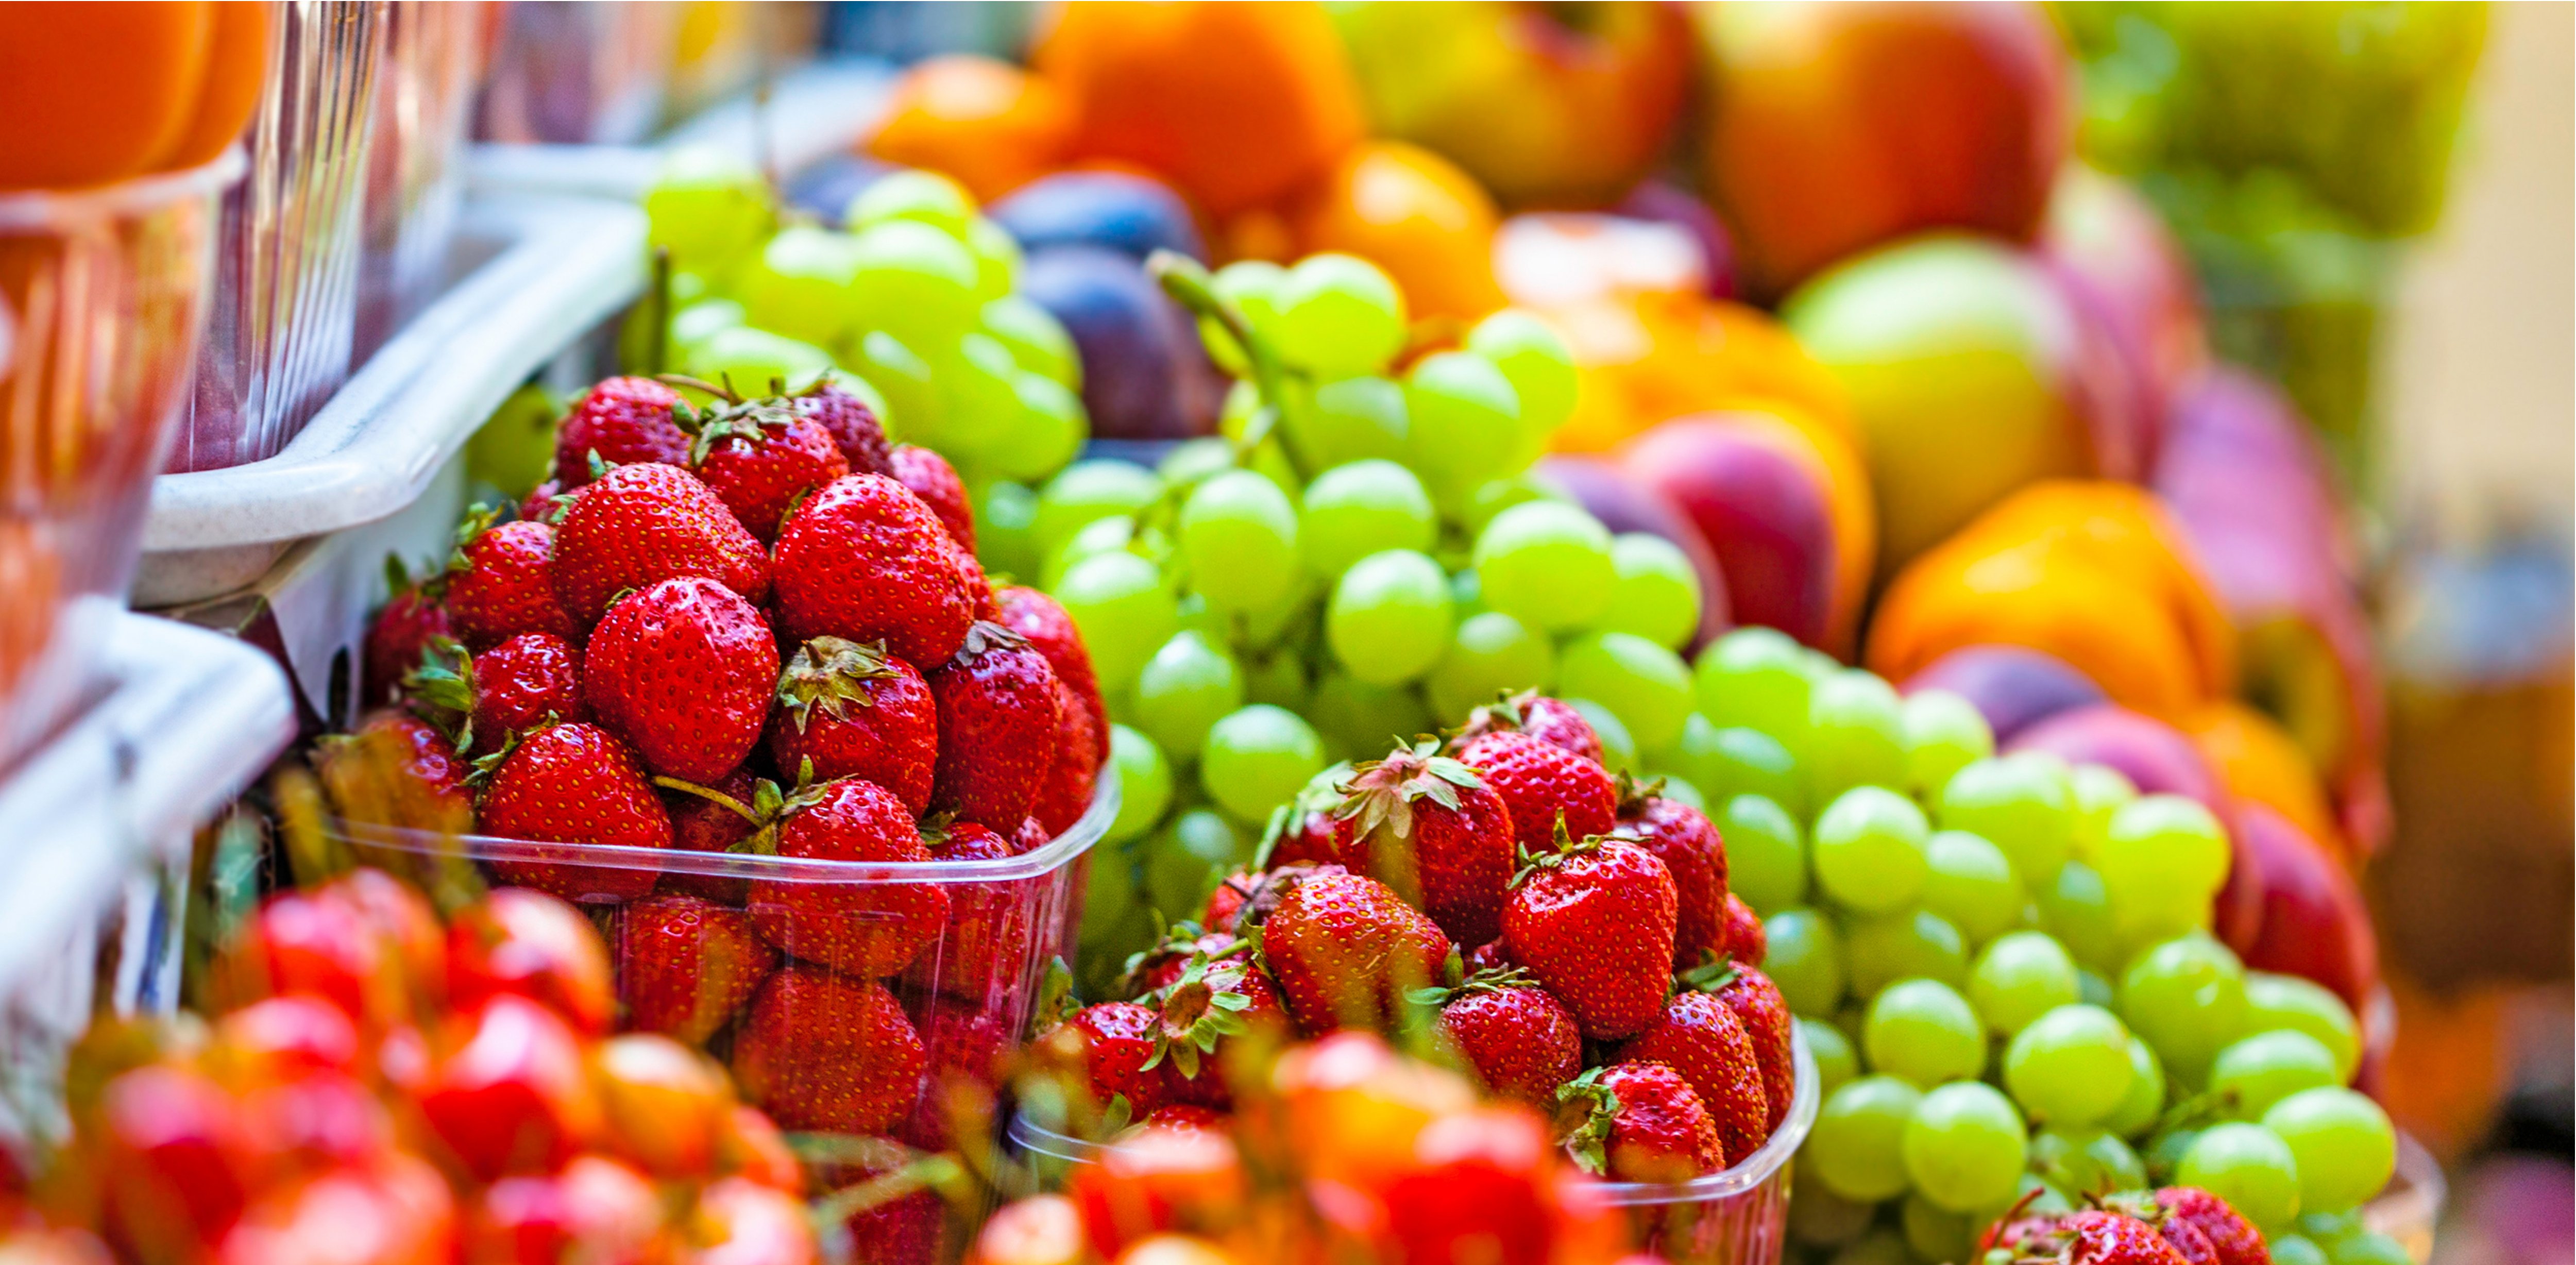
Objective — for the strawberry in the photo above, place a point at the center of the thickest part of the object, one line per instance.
(997, 726)
(935, 481)
(500, 582)
(514, 1093)
(2186, 1239)
(686, 966)
(1540, 783)
(1700, 1037)
(545, 503)
(2096, 1236)
(897, 1229)
(1425, 825)
(1638, 1122)
(1594, 922)
(760, 458)
(853, 426)
(685, 670)
(1030, 835)
(1520, 1041)
(1681, 837)
(1115, 1041)
(573, 783)
(977, 585)
(1039, 618)
(623, 421)
(1492, 955)
(1757, 1004)
(531, 680)
(1746, 939)
(2230, 1235)
(825, 1053)
(1245, 898)
(397, 770)
(987, 942)
(1190, 1118)
(703, 823)
(872, 930)
(643, 524)
(1064, 793)
(864, 559)
(856, 711)
(1547, 719)
(528, 944)
(1309, 835)
(1345, 949)
(1152, 969)
(1213, 998)
(400, 636)
(966, 1046)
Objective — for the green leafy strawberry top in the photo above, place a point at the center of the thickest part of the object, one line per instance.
(1381, 793)
(1205, 1005)
(830, 673)
(1586, 1109)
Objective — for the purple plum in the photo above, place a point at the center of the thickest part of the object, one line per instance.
(1144, 375)
(2015, 687)
(1111, 209)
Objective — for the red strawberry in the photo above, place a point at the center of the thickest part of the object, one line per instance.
(987, 942)
(825, 1053)
(1064, 794)
(1639, 1122)
(2230, 1235)
(899, 1229)
(856, 711)
(1306, 834)
(1190, 1118)
(1547, 719)
(935, 481)
(1746, 939)
(574, 783)
(397, 770)
(1149, 970)
(1520, 1041)
(685, 670)
(515, 1094)
(643, 524)
(1425, 825)
(865, 560)
(2097, 1237)
(853, 426)
(1594, 922)
(531, 680)
(1031, 835)
(1492, 955)
(978, 586)
(545, 503)
(626, 421)
(1757, 1004)
(399, 637)
(1345, 949)
(759, 458)
(1211, 999)
(1681, 837)
(1039, 618)
(702, 823)
(872, 929)
(686, 966)
(1115, 1040)
(530, 945)
(2187, 1239)
(997, 726)
(1540, 783)
(966, 1044)
(500, 582)
(1700, 1037)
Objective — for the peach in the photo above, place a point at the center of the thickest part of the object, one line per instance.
(2153, 755)
(1758, 492)
(1625, 503)
(2311, 921)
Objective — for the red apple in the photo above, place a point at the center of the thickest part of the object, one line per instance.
(1625, 503)
(2153, 755)
(2014, 687)
(2313, 922)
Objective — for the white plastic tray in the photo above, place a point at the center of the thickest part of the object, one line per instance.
(551, 269)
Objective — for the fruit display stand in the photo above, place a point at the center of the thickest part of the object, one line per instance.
(95, 834)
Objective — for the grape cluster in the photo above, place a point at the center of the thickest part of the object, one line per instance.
(913, 294)
(2004, 967)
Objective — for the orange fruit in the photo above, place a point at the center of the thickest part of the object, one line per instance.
(1415, 214)
(94, 93)
(988, 123)
(236, 69)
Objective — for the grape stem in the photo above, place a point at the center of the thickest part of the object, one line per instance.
(1189, 284)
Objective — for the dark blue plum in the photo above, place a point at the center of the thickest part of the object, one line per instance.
(1125, 213)
(1144, 375)
(825, 189)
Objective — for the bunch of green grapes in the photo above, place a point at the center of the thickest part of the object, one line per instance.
(1361, 556)
(913, 296)
(2004, 967)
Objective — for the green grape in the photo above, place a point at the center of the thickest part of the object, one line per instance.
(1191, 857)
(1124, 611)
(1884, 948)
(1804, 957)
(1925, 1032)
(1836, 1061)
(1766, 853)
(1037, 342)
(1854, 735)
(1878, 1247)
(2021, 804)
(1251, 287)
(1255, 759)
(1349, 419)
(2259, 1070)
(1545, 564)
(1390, 618)
(2326, 1228)
(1190, 684)
(514, 448)
(1644, 684)
(1352, 511)
(1003, 542)
(997, 259)
(2186, 996)
(912, 194)
(1144, 784)
(1738, 761)
(1657, 593)
(1820, 1218)
(1087, 491)
(1965, 1147)
(1337, 315)
(1045, 432)
(1857, 1145)
(1466, 427)
(2020, 977)
(1192, 462)
(2161, 860)
(2076, 911)
(1944, 733)
(1359, 720)
(1681, 791)
(2368, 1247)
(1238, 536)
(1535, 361)
(1490, 652)
(978, 390)
(2250, 1167)
(2032, 1196)
(1933, 1232)
(915, 411)
(709, 209)
(2276, 1002)
(1106, 535)
(2088, 1161)
(1618, 750)
(1868, 849)
(1755, 678)
(1111, 886)
(1291, 619)
(754, 358)
(914, 282)
(1852, 1020)
(1971, 884)
(2095, 989)
(2070, 1066)
(2293, 1249)
(2099, 790)
(1278, 678)
(1489, 499)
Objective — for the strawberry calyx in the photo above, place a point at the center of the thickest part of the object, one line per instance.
(441, 690)
(1567, 848)
(1177, 940)
(1993, 1237)
(478, 520)
(1505, 714)
(1586, 1109)
(1204, 1006)
(480, 769)
(768, 807)
(830, 673)
(1379, 795)
(1323, 793)
(1712, 975)
(983, 637)
(1491, 980)
(1632, 794)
